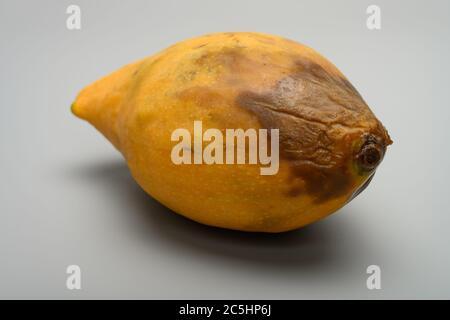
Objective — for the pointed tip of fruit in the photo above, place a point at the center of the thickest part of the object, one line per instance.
(73, 109)
(77, 109)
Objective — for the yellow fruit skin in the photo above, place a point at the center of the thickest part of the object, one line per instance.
(214, 78)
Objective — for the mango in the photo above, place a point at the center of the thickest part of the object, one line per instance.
(330, 142)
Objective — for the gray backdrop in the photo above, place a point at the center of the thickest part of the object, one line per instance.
(66, 196)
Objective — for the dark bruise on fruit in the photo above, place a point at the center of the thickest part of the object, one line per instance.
(326, 128)
(320, 115)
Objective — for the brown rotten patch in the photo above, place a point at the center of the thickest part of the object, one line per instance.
(320, 116)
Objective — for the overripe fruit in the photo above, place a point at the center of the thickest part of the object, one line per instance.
(330, 141)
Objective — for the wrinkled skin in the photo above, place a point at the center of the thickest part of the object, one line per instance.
(330, 141)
